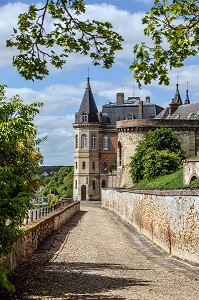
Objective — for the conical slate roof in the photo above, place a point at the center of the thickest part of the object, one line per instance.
(87, 108)
(187, 100)
(177, 97)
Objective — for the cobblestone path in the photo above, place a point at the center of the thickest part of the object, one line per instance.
(97, 256)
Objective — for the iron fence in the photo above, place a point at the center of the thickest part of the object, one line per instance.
(39, 212)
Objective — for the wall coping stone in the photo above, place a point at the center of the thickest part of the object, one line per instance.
(159, 192)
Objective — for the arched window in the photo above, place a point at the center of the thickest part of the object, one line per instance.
(93, 141)
(75, 184)
(93, 165)
(85, 117)
(93, 184)
(105, 142)
(83, 165)
(75, 165)
(129, 116)
(84, 141)
(105, 167)
(103, 183)
(76, 141)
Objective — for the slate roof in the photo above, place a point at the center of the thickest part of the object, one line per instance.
(111, 113)
(87, 106)
(188, 111)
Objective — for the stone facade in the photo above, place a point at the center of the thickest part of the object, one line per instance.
(169, 219)
(131, 132)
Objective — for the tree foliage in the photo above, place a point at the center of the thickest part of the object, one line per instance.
(19, 162)
(159, 153)
(173, 27)
(61, 183)
(37, 44)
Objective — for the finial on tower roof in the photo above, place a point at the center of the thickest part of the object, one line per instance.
(88, 78)
(177, 97)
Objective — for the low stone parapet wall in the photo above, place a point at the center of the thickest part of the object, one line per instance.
(34, 233)
(169, 218)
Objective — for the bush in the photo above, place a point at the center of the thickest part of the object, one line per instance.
(161, 139)
(157, 163)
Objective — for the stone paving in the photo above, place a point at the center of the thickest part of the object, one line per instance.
(97, 256)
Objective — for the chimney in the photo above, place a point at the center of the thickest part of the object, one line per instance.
(140, 109)
(148, 100)
(173, 107)
(120, 98)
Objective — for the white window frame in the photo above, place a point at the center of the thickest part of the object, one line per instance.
(105, 142)
(84, 141)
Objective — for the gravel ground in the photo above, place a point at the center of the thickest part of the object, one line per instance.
(97, 256)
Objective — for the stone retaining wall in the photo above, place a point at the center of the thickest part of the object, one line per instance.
(169, 218)
(35, 233)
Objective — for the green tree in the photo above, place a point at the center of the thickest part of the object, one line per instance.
(61, 183)
(19, 161)
(157, 151)
(70, 33)
(173, 27)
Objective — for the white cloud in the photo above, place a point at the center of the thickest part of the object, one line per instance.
(126, 23)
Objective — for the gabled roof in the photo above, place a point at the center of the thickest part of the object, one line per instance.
(88, 106)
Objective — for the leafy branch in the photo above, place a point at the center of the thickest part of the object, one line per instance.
(174, 31)
(38, 45)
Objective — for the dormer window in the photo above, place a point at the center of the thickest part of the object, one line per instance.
(85, 117)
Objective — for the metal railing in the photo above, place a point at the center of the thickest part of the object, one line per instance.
(40, 212)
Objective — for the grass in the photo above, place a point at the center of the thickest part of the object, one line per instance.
(170, 181)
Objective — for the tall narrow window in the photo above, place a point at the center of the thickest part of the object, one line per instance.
(75, 184)
(93, 184)
(105, 142)
(103, 183)
(105, 165)
(83, 165)
(76, 141)
(93, 165)
(93, 141)
(120, 153)
(75, 165)
(85, 117)
(84, 141)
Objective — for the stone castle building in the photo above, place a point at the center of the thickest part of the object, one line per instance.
(96, 140)
(182, 118)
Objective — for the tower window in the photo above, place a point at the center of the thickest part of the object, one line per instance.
(76, 141)
(93, 184)
(93, 141)
(75, 184)
(105, 142)
(85, 117)
(83, 165)
(93, 165)
(75, 165)
(84, 141)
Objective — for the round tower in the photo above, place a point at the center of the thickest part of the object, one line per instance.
(86, 152)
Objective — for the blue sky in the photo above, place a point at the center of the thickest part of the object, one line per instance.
(62, 91)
